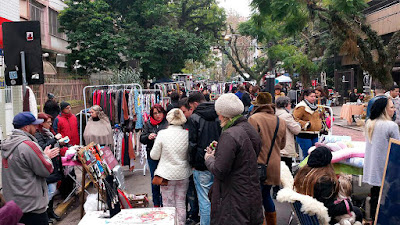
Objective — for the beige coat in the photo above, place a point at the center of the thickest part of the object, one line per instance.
(292, 128)
(264, 120)
(309, 120)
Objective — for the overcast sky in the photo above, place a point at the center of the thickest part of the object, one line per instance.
(240, 6)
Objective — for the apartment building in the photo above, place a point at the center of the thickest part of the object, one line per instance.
(53, 42)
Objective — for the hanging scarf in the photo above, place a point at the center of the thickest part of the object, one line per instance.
(312, 106)
(231, 122)
(155, 122)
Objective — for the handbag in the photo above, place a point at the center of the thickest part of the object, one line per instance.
(262, 168)
(157, 180)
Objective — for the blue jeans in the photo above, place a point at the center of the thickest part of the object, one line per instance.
(155, 189)
(191, 198)
(305, 144)
(51, 189)
(203, 181)
(268, 203)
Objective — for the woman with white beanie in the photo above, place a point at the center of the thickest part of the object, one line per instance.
(171, 148)
(235, 195)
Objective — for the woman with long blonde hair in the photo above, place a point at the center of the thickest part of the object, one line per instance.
(378, 130)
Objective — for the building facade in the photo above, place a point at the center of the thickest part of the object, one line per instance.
(54, 44)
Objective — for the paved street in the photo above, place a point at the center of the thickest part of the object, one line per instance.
(137, 183)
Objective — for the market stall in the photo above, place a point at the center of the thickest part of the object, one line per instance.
(351, 109)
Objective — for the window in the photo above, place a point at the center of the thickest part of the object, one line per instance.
(37, 15)
(54, 24)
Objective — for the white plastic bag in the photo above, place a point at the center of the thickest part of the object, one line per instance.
(91, 203)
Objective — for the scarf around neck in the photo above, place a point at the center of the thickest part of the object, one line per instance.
(231, 122)
(155, 122)
(312, 106)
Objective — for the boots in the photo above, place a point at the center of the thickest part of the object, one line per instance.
(270, 217)
(50, 212)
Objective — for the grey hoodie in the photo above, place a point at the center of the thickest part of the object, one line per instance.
(24, 171)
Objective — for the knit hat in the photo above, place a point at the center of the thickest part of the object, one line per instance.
(25, 118)
(176, 117)
(50, 95)
(229, 105)
(263, 98)
(64, 105)
(378, 107)
(320, 157)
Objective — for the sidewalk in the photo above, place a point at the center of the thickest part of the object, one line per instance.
(343, 123)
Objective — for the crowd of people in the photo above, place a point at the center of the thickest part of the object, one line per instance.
(216, 162)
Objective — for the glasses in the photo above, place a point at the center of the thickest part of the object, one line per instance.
(156, 113)
(49, 122)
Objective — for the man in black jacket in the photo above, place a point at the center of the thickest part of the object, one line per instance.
(51, 107)
(204, 128)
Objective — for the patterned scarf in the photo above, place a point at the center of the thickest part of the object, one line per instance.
(313, 107)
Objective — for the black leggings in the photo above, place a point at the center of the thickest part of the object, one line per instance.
(374, 200)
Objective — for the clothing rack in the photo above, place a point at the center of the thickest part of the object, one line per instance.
(162, 86)
(104, 87)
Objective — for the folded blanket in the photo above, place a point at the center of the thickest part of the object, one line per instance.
(347, 153)
(356, 162)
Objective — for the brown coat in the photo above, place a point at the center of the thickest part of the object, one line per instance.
(235, 194)
(303, 114)
(264, 121)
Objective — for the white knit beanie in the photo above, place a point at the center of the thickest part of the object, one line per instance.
(229, 105)
(176, 117)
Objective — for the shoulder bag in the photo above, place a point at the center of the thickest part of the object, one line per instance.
(262, 168)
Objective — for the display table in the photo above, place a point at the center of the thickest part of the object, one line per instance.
(136, 216)
(349, 110)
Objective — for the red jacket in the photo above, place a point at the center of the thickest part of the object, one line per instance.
(67, 125)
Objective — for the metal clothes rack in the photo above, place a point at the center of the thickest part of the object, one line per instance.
(180, 83)
(108, 87)
(104, 87)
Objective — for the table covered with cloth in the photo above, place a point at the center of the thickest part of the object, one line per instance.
(349, 110)
(135, 216)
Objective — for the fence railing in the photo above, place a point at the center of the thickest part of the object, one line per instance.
(64, 90)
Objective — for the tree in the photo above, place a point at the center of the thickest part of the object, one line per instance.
(345, 22)
(161, 34)
(93, 35)
(276, 45)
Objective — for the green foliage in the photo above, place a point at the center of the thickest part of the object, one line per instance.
(126, 76)
(93, 37)
(330, 27)
(161, 34)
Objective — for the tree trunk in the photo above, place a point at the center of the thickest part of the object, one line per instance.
(305, 78)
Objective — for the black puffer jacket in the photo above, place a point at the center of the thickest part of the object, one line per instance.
(44, 141)
(236, 194)
(324, 191)
(204, 128)
(147, 130)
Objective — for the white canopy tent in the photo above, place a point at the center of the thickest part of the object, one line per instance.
(283, 79)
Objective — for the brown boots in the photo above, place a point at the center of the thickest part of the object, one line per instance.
(270, 218)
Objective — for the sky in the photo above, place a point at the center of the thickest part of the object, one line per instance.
(240, 6)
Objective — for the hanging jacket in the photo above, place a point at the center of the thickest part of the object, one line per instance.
(204, 128)
(67, 125)
(147, 130)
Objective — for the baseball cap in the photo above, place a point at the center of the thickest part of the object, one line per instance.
(25, 118)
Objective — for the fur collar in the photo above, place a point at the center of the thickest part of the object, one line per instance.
(309, 204)
(306, 107)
